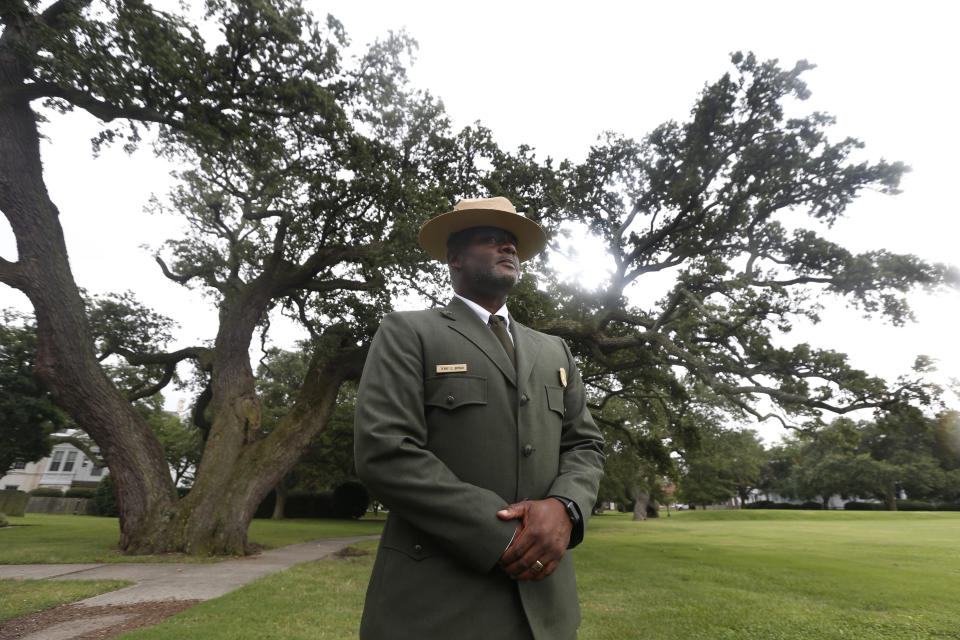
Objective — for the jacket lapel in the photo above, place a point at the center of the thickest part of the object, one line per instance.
(528, 348)
(469, 325)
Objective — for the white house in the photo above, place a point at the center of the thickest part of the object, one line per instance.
(66, 467)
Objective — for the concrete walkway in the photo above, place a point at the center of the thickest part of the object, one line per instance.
(178, 581)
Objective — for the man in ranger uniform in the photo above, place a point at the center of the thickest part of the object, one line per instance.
(474, 431)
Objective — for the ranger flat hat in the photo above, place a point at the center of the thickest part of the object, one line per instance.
(482, 212)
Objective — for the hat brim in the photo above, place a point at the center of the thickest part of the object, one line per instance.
(531, 238)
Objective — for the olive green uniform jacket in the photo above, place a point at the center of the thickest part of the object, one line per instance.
(447, 434)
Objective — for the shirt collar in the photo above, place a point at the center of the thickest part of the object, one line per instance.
(484, 315)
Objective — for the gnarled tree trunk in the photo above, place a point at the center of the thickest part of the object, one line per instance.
(640, 503)
(66, 363)
(239, 465)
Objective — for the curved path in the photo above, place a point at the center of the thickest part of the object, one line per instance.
(179, 581)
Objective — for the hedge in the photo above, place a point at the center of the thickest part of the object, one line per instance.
(47, 492)
(13, 502)
(104, 500)
(770, 504)
(80, 492)
(348, 500)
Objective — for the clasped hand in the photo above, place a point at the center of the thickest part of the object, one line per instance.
(543, 533)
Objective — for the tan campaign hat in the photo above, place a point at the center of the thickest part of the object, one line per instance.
(482, 212)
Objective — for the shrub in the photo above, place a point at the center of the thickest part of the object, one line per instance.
(47, 492)
(767, 504)
(350, 500)
(80, 492)
(13, 502)
(265, 510)
(914, 505)
(770, 504)
(3, 520)
(948, 507)
(104, 500)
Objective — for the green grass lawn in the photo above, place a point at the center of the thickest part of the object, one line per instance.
(19, 597)
(747, 575)
(773, 575)
(53, 539)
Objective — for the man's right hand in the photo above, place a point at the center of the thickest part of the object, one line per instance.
(543, 535)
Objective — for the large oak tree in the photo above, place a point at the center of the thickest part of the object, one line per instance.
(719, 230)
(304, 163)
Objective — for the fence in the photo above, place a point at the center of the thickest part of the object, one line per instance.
(61, 506)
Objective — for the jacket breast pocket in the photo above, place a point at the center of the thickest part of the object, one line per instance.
(454, 391)
(555, 399)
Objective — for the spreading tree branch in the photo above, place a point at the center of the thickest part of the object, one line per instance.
(10, 274)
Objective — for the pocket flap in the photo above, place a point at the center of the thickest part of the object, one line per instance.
(408, 540)
(555, 399)
(453, 391)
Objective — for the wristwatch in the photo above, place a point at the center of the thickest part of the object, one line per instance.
(572, 511)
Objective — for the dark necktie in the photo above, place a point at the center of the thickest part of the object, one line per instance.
(496, 324)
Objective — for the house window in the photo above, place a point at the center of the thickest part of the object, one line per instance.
(71, 459)
(19, 465)
(11, 487)
(57, 459)
(96, 471)
(83, 463)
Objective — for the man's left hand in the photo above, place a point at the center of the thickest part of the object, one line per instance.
(543, 535)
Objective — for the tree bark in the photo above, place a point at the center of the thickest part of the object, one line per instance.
(891, 500)
(66, 364)
(641, 500)
(280, 504)
(240, 464)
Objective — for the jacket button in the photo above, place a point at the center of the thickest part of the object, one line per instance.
(417, 548)
(450, 399)
(527, 450)
(524, 399)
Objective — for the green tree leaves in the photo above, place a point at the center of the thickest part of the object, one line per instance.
(27, 414)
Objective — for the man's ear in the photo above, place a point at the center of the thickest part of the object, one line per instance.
(453, 260)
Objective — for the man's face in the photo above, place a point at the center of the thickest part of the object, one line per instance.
(486, 259)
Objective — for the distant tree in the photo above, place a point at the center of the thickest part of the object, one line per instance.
(825, 463)
(328, 460)
(725, 464)
(27, 414)
(637, 466)
(632, 482)
(900, 452)
(181, 440)
(778, 475)
(947, 435)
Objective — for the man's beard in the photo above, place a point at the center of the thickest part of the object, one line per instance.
(494, 282)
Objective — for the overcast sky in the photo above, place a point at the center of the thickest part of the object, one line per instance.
(554, 75)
